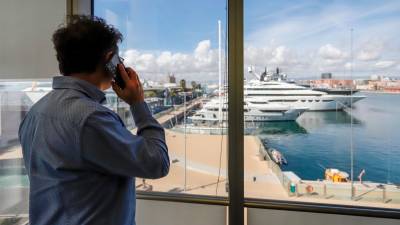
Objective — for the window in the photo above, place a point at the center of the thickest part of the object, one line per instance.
(336, 147)
(346, 152)
(26, 66)
(174, 47)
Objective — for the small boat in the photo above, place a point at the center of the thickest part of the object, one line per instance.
(336, 175)
(277, 156)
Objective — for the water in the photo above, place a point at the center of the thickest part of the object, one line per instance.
(322, 139)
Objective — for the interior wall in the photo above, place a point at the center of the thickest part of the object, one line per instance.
(280, 217)
(175, 213)
(26, 26)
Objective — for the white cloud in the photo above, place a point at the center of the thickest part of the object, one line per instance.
(320, 41)
(385, 64)
(201, 64)
(371, 50)
(348, 65)
(203, 54)
(329, 52)
(280, 55)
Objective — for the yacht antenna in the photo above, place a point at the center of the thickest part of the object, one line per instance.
(250, 69)
(219, 73)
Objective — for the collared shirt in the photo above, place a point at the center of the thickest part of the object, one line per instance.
(82, 161)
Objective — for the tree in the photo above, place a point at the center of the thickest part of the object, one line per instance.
(194, 85)
(150, 94)
(183, 84)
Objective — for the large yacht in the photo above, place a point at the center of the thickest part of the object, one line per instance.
(274, 88)
(211, 114)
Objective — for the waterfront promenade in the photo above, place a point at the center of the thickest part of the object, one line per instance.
(205, 163)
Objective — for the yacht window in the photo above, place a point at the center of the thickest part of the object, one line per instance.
(303, 100)
(317, 100)
(327, 100)
(273, 89)
(310, 100)
(259, 102)
(272, 111)
(252, 94)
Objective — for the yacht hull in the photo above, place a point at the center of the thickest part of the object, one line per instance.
(314, 103)
(289, 115)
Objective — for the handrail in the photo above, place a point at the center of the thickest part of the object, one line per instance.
(349, 210)
(183, 198)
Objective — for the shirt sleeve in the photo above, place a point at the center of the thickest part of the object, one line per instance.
(108, 146)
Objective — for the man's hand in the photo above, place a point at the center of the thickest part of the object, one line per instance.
(133, 91)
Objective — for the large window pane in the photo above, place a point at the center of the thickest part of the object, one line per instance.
(174, 47)
(321, 101)
(27, 61)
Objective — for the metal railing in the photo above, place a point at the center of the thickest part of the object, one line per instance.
(275, 204)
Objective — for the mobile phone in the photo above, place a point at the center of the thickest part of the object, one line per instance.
(112, 67)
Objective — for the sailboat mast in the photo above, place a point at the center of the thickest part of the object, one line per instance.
(219, 72)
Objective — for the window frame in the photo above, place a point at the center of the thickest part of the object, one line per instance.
(236, 200)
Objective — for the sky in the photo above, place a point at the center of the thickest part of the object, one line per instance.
(304, 38)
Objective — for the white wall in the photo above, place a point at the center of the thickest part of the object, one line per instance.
(26, 27)
(175, 213)
(279, 217)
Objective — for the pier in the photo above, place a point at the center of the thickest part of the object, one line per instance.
(171, 116)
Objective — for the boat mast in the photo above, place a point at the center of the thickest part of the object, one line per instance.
(351, 117)
(219, 72)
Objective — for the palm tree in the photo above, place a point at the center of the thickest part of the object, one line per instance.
(183, 84)
(194, 85)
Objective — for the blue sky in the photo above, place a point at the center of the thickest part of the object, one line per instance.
(175, 25)
(304, 38)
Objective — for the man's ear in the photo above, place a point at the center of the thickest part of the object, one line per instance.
(109, 55)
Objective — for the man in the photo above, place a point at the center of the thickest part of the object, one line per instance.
(80, 158)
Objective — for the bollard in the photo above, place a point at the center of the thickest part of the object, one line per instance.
(353, 192)
(384, 194)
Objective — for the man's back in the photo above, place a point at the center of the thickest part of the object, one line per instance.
(82, 161)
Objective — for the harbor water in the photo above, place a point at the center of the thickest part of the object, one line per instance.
(319, 140)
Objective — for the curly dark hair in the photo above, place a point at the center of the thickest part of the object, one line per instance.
(83, 43)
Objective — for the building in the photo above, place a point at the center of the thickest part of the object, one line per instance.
(171, 78)
(332, 83)
(326, 75)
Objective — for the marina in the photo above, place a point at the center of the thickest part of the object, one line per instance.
(202, 170)
(285, 159)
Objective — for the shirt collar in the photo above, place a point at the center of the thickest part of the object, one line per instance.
(68, 82)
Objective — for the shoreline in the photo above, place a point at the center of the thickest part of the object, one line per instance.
(379, 92)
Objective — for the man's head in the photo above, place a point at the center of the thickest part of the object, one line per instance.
(84, 45)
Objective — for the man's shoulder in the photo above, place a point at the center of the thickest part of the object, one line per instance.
(68, 105)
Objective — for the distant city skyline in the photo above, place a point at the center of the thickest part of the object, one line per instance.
(303, 38)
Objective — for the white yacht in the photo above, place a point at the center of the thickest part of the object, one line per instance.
(210, 114)
(273, 88)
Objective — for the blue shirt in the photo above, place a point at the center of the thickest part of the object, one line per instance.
(82, 161)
